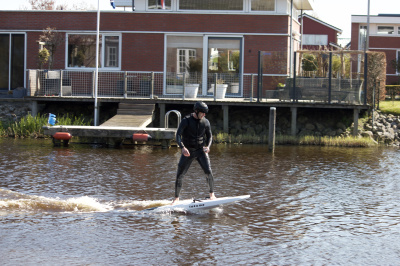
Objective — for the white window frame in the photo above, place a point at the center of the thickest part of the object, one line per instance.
(111, 56)
(318, 39)
(398, 61)
(103, 35)
(248, 4)
(386, 33)
(187, 56)
(173, 3)
(210, 11)
(205, 55)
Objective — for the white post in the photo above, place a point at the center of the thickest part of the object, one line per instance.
(367, 37)
(96, 82)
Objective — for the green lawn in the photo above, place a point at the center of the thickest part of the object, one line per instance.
(390, 107)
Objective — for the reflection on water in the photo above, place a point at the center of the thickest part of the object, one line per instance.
(308, 205)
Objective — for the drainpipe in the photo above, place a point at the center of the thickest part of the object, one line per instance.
(302, 23)
(96, 107)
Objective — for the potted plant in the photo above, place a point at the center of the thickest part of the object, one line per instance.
(221, 89)
(194, 69)
(191, 90)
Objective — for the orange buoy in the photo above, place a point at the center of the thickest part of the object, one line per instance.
(141, 137)
(62, 136)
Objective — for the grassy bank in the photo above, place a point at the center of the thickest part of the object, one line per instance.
(32, 126)
(291, 140)
(390, 107)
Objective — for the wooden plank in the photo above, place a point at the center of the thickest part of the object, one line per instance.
(131, 115)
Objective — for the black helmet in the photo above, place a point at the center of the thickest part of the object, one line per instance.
(200, 107)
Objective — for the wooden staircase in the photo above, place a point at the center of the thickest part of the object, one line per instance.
(131, 115)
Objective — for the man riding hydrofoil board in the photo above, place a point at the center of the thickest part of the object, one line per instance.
(194, 138)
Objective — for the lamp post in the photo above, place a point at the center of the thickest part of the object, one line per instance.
(366, 46)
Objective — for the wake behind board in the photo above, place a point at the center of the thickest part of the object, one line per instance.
(194, 204)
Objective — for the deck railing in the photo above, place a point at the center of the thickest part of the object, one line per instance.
(151, 85)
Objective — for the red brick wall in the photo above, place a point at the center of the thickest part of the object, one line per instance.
(354, 36)
(130, 21)
(143, 33)
(375, 44)
(143, 52)
(313, 27)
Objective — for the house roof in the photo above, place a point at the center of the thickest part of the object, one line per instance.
(389, 15)
(322, 22)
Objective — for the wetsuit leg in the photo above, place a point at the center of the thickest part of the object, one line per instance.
(183, 166)
(204, 161)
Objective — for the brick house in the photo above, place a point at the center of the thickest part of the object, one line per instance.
(318, 34)
(213, 37)
(384, 36)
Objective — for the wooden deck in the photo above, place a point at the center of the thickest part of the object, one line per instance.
(131, 115)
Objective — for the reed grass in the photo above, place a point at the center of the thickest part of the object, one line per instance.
(349, 141)
(32, 126)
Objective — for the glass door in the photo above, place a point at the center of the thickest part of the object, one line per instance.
(12, 61)
(224, 65)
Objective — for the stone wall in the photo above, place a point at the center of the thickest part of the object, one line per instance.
(12, 110)
(249, 120)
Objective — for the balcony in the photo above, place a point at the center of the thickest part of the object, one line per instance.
(173, 86)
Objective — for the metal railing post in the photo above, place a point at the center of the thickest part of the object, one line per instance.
(125, 84)
(215, 86)
(294, 78)
(260, 77)
(93, 83)
(61, 83)
(330, 79)
(152, 86)
(184, 86)
(252, 88)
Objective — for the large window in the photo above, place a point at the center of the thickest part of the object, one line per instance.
(82, 51)
(211, 5)
(315, 39)
(385, 30)
(362, 38)
(398, 61)
(159, 4)
(263, 5)
(12, 54)
(184, 62)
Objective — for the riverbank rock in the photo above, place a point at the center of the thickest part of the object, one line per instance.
(11, 111)
(383, 128)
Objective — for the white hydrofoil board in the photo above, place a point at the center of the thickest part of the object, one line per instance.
(190, 205)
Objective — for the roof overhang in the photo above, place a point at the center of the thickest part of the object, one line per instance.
(375, 19)
(303, 4)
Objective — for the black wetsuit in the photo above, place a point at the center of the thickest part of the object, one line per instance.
(194, 134)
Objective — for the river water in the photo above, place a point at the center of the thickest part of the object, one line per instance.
(84, 205)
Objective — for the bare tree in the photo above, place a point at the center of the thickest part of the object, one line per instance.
(42, 4)
(58, 5)
(376, 74)
(52, 39)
